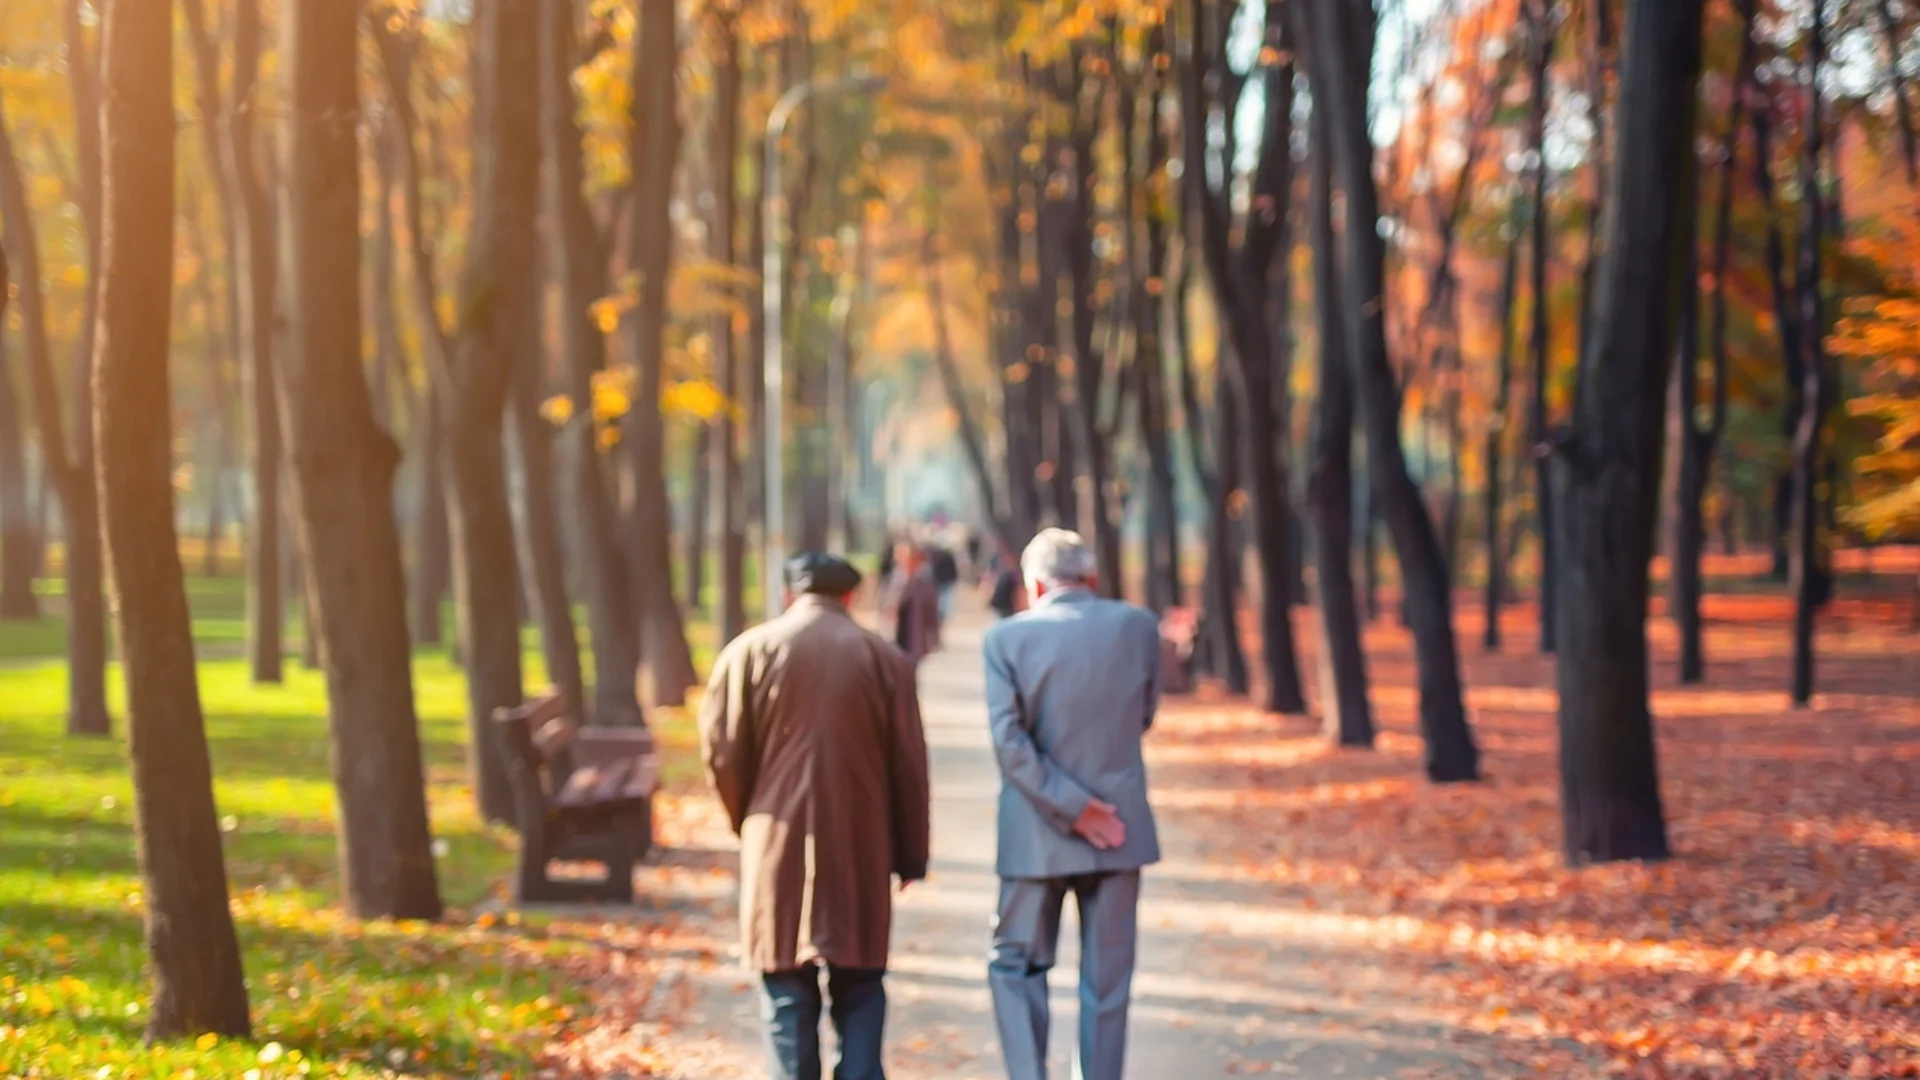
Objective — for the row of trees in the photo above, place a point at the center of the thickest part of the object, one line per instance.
(1139, 142)
(1124, 222)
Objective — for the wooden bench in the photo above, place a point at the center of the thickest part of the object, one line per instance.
(580, 794)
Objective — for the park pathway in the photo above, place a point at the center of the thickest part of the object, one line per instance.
(1227, 985)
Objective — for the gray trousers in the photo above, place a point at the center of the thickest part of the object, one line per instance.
(1025, 936)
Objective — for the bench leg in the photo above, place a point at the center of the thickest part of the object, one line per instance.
(532, 886)
(629, 838)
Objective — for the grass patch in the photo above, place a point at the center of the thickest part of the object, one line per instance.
(330, 997)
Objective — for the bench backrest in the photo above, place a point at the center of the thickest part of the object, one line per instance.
(538, 731)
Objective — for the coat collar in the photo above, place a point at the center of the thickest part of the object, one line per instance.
(815, 602)
(1066, 594)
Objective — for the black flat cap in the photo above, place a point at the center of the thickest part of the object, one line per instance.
(818, 572)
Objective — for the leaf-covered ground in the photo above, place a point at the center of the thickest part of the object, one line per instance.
(1783, 939)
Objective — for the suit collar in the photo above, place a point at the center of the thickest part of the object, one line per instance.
(1068, 594)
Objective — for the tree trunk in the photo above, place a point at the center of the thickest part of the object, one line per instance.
(389, 355)
(1698, 442)
(972, 443)
(432, 543)
(343, 468)
(1220, 587)
(693, 538)
(1787, 320)
(1242, 275)
(219, 424)
(728, 371)
(1902, 109)
(1606, 468)
(497, 320)
(255, 270)
(67, 466)
(1599, 67)
(1806, 575)
(1345, 64)
(433, 563)
(210, 112)
(667, 663)
(1370, 549)
(543, 560)
(194, 956)
(1497, 441)
(1083, 100)
(1541, 30)
(1163, 508)
(577, 254)
(18, 537)
(1347, 714)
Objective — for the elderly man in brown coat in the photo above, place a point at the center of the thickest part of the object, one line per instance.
(812, 738)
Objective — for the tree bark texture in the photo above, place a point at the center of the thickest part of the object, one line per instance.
(1606, 466)
(579, 259)
(193, 953)
(666, 662)
(1342, 68)
(343, 469)
(68, 465)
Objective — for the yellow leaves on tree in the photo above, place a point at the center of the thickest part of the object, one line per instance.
(1882, 334)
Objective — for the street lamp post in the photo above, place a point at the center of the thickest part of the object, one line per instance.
(773, 300)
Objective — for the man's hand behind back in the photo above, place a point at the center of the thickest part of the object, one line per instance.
(1100, 825)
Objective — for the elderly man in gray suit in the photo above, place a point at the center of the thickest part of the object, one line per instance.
(1072, 684)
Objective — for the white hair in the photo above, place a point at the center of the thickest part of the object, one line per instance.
(1058, 558)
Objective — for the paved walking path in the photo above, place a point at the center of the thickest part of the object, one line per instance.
(1227, 985)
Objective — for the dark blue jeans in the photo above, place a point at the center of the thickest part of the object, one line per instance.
(791, 1006)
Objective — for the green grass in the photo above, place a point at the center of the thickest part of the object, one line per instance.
(330, 997)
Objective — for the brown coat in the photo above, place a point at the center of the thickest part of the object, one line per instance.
(811, 735)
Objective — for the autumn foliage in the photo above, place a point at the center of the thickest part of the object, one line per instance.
(1880, 335)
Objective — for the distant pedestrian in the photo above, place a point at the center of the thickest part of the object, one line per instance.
(884, 582)
(1072, 685)
(812, 738)
(916, 613)
(1007, 588)
(946, 574)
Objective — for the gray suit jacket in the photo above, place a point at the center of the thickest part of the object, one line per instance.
(1072, 685)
